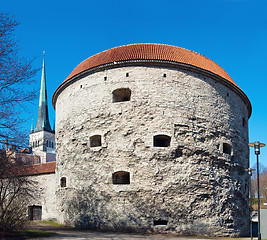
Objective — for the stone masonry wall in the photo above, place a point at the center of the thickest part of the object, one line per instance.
(45, 195)
(191, 187)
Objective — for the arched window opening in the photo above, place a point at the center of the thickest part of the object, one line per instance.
(227, 148)
(121, 95)
(95, 141)
(121, 177)
(162, 141)
(63, 182)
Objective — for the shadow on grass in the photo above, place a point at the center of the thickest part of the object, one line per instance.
(29, 233)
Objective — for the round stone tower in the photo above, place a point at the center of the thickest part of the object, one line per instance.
(152, 138)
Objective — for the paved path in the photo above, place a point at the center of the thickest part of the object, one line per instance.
(69, 234)
(81, 235)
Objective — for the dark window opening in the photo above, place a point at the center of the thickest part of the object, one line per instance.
(244, 122)
(95, 141)
(127, 74)
(81, 86)
(121, 95)
(63, 182)
(160, 222)
(162, 141)
(227, 94)
(105, 78)
(227, 148)
(177, 153)
(164, 75)
(52, 144)
(121, 177)
(35, 213)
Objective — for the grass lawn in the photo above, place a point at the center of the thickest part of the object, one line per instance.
(28, 233)
(52, 223)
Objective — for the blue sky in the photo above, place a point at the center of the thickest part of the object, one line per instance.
(233, 33)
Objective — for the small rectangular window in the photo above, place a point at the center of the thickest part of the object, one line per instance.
(162, 141)
(160, 222)
(63, 182)
(95, 141)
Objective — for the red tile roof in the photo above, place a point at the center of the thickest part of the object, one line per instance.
(148, 51)
(24, 150)
(36, 169)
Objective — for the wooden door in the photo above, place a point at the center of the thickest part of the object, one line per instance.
(35, 213)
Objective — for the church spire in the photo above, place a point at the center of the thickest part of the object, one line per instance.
(43, 120)
(32, 127)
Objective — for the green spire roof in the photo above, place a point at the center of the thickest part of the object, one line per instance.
(43, 120)
(32, 127)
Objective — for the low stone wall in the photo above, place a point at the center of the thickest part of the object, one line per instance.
(263, 223)
(45, 195)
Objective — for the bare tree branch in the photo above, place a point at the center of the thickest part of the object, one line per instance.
(16, 77)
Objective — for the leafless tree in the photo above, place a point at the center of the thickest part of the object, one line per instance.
(263, 186)
(15, 83)
(16, 190)
(15, 91)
